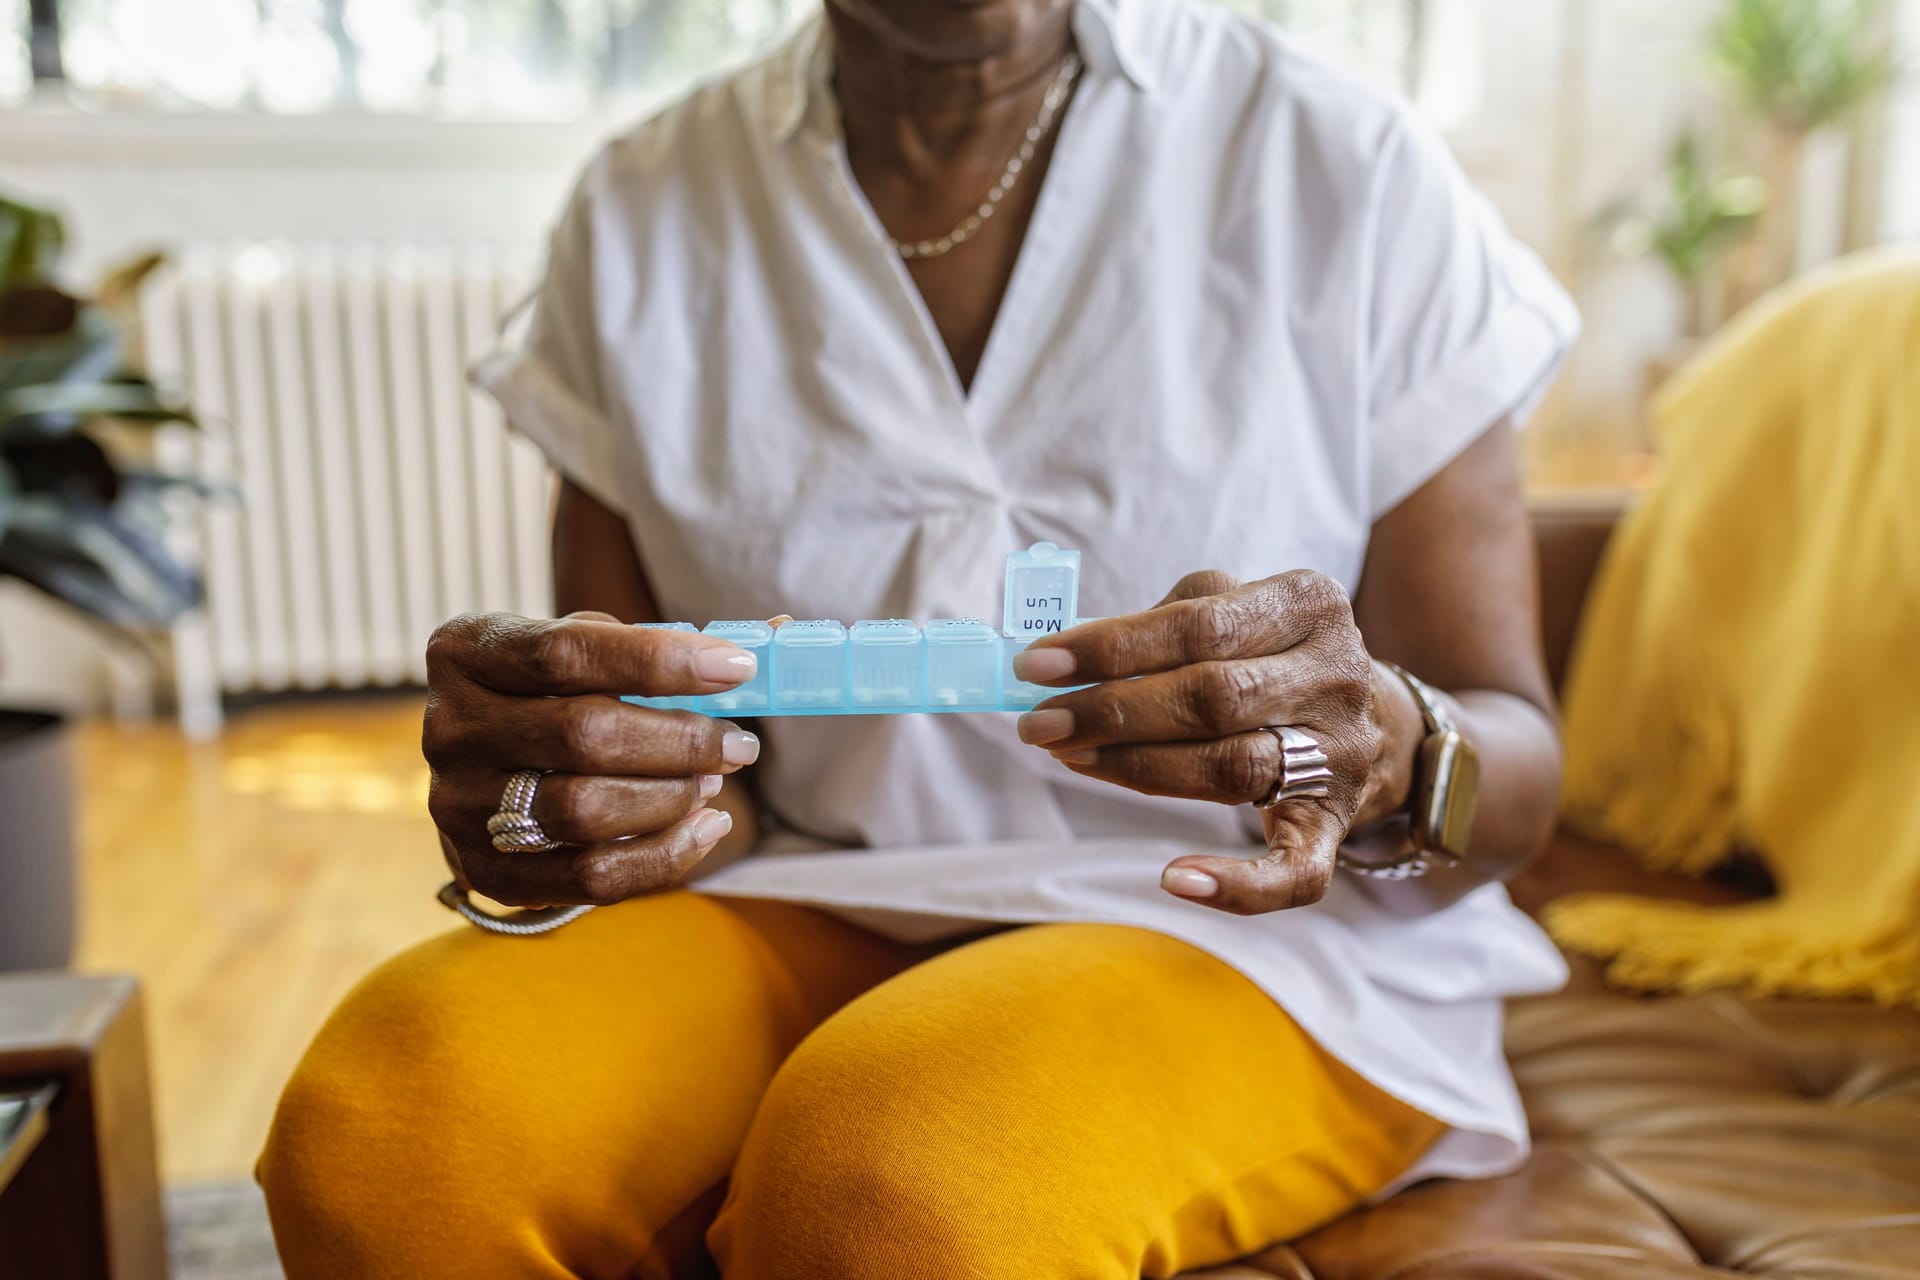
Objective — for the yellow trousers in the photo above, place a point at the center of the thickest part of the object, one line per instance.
(688, 1085)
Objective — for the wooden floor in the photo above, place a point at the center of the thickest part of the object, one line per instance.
(249, 882)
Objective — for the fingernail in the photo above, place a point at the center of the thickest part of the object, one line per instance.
(1078, 755)
(739, 747)
(1038, 728)
(1039, 666)
(1185, 882)
(709, 786)
(725, 665)
(710, 826)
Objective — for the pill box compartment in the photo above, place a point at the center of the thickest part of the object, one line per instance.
(756, 694)
(888, 663)
(1016, 694)
(666, 704)
(963, 663)
(810, 668)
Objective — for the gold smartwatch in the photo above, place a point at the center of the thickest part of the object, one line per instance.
(1446, 788)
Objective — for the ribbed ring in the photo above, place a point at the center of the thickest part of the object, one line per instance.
(1304, 771)
(513, 827)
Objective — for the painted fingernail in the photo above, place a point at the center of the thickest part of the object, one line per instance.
(1038, 728)
(710, 826)
(1185, 882)
(1078, 755)
(709, 785)
(1039, 666)
(725, 665)
(739, 747)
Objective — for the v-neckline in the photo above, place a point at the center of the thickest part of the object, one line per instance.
(968, 397)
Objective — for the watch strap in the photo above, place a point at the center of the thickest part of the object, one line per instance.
(1433, 709)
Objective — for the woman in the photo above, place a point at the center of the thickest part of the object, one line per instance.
(830, 337)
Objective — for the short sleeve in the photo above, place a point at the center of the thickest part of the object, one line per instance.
(544, 370)
(1465, 327)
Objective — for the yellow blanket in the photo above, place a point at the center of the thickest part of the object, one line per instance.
(1749, 671)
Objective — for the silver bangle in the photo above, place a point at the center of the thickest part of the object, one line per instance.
(1410, 865)
(525, 924)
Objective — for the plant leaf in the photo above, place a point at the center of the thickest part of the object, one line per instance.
(9, 496)
(75, 583)
(65, 404)
(1804, 64)
(84, 558)
(121, 288)
(88, 352)
(154, 478)
(30, 243)
(138, 528)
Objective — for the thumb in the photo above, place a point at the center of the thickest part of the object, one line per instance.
(1303, 846)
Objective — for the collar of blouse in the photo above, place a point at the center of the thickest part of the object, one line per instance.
(1114, 37)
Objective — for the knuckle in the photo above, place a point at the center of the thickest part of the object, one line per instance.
(1105, 714)
(443, 805)
(697, 739)
(1317, 591)
(583, 729)
(1229, 692)
(1320, 601)
(1246, 766)
(1205, 582)
(1293, 883)
(1127, 766)
(655, 863)
(567, 806)
(553, 652)
(482, 869)
(449, 645)
(599, 876)
(1217, 627)
(1304, 890)
(435, 726)
(1355, 686)
(446, 732)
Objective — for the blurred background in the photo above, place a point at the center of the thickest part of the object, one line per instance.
(254, 243)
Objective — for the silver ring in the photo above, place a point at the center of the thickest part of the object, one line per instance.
(513, 827)
(1304, 772)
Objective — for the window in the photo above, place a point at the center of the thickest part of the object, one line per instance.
(511, 58)
(1900, 216)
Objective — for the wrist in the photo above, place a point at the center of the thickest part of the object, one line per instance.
(1401, 729)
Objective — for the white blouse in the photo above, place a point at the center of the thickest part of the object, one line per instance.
(1257, 305)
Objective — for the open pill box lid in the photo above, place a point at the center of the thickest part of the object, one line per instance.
(1043, 591)
(894, 666)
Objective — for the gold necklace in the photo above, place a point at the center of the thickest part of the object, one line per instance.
(1009, 177)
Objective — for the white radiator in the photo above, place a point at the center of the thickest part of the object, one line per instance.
(379, 494)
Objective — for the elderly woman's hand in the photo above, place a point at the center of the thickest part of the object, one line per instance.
(1217, 663)
(625, 789)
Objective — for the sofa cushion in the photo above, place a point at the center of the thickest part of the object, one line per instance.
(1675, 1136)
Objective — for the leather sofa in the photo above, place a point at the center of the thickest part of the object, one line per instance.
(1675, 1136)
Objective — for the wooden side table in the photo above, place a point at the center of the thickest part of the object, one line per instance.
(79, 1181)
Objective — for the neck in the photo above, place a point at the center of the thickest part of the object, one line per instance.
(899, 103)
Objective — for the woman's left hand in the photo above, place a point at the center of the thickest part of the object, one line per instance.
(1216, 663)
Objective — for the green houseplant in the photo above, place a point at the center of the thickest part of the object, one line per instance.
(81, 521)
(1704, 213)
(1800, 66)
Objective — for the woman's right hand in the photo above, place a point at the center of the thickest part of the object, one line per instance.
(625, 789)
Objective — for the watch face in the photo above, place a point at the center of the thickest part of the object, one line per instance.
(1446, 794)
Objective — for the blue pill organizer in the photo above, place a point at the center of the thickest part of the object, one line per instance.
(891, 666)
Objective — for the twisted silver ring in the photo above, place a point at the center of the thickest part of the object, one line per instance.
(513, 827)
(1303, 767)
